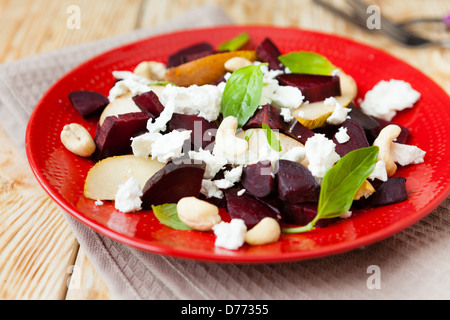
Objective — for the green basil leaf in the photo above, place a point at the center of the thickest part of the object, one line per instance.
(307, 62)
(249, 134)
(272, 139)
(167, 214)
(340, 185)
(234, 44)
(242, 94)
(160, 83)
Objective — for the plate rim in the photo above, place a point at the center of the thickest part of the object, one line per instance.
(164, 250)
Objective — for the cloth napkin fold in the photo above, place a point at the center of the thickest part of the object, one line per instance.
(413, 264)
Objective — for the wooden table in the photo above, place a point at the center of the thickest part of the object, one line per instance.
(38, 252)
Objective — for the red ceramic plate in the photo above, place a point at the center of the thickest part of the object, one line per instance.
(62, 174)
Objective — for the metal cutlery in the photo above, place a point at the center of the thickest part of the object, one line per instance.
(357, 14)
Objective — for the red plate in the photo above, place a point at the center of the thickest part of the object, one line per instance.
(62, 174)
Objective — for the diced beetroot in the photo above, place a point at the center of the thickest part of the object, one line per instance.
(390, 192)
(203, 131)
(302, 214)
(357, 140)
(298, 131)
(314, 87)
(269, 115)
(402, 138)
(296, 184)
(248, 208)
(113, 138)
(149, 102)
(258, 179)
(191, 53)
(268, 52)
(366, 121)
(88, 103)
(172, 183)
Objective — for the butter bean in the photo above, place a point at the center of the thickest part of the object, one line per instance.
(77, 140)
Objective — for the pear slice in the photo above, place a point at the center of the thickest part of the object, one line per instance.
(315, 115)
(105, 177)
(365, 190)
(205, 70)
(122, 105)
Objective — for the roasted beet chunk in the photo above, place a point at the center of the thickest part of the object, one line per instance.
(88, 103)
(172, 183)
(269, 115)
(191, 53)
(298, 131)
(313, 86)
(366, 121)
(357, 140)
(302, 214)
(113, 138)
(295, 183)
(268, 52)
(258, 179)
(203, 131)
(149, 102)
(248, 208)
(390, 192)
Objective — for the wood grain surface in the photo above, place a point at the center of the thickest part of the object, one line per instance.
(39, 256)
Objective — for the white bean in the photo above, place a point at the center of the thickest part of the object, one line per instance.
(77, 140)
(266, 231)
(198, 214)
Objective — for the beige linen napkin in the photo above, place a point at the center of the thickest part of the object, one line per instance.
(414, 264)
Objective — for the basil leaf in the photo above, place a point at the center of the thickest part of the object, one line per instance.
(340, 185)
(234, 44)
(249, 135)
(307, 62)
(272, 139)
(242, 94)
(160, 83)
(167, 214)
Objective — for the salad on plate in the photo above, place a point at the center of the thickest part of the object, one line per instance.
(246, 144)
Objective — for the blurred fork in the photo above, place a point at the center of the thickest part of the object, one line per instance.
(358, 16)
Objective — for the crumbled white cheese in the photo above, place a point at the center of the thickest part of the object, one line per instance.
(223, 184)
(379, 172)
(346, 215)
(296, 154)
(388, 97)
(231, 177)
(241, 192)
(161, 147)
(128, 197)
(170, 146)
(214, 163)
(202, 101)
(128, 82)
(339, 114)
(210, 190)
(404, 154)
(280, 96)
(321, 155)
(336, 73)
(286, 114)
(287, 97)
(99, 203)
(342, 136)
(142, 145)
(160, 124)
(230, 235)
